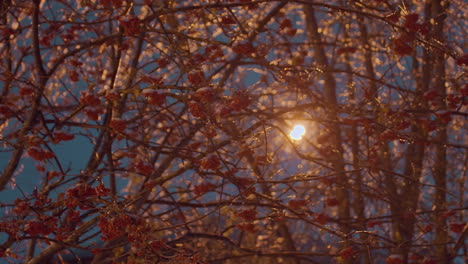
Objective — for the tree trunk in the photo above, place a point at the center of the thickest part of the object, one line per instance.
(440, 204)
(332, 115)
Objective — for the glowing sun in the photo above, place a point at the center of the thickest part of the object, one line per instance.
(297, 132)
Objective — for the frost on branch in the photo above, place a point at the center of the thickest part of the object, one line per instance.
(159, 131)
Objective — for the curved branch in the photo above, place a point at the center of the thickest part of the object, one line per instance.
(30, 121)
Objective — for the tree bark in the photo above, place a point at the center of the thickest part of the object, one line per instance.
(440, 203)
(343, 195)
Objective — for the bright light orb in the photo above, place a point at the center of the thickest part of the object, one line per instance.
(297, 132)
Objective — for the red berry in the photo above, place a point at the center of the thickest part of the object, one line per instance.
(249, 215)
(196, 77)
(245, 48)
(196, 109)
(228, 20)
(210, 163)
(205, 95)
(296, 204)
(462, 60)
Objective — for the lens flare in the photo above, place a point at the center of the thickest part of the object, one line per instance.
(297, 132)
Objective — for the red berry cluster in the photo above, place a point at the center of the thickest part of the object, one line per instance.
(322, 218)
(84, 196)
(457, 227)
(93, 105)
(93, 113)
(249, 215)
(59, 136)
(196, 77)
(239, 100)
(245, 184)
(89, 99)
(40, 154)
(112, 3)
(203, 188)
(26, 91)
(462, 60)
(346, 50)
(118, 125)
(143, 168)
(347, 253)
(213, 52)
(403, 44)
(130, 25)
(210, 163)
(244, 48)
(331, 202)
(228, 20)
(5, 110)
(114, 226)
(394, 259)
(204, 95)
(287, 27)
(296, 204)
(196, 109)
(154, 97)
(41, 227)
(374, 223)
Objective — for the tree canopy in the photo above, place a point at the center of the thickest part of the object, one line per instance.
(233, 131)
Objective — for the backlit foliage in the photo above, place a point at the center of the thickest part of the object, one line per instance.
(158, 131)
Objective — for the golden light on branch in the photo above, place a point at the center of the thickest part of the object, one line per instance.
(297, 132)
